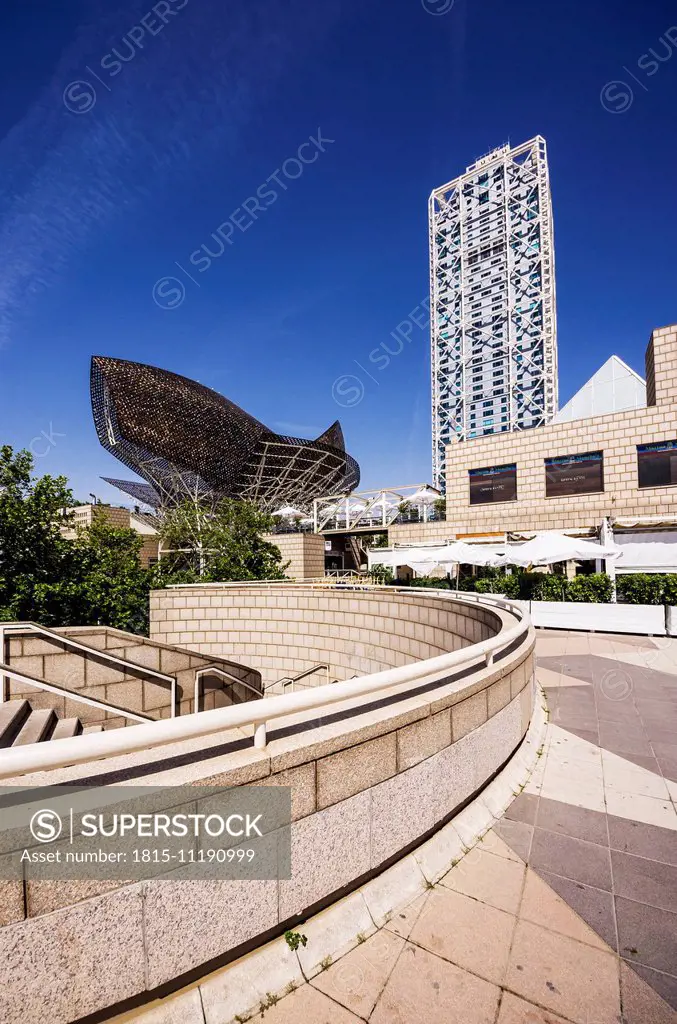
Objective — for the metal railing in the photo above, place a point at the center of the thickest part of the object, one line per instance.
(216, 670)
(21, 677)
(259, 714)
(290, 680)
(8, 629)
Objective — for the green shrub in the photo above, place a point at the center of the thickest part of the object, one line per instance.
(511, 586)
(596, 588)
(489, 586)
(529, 584)
(645, 588)
(381, 573)
(548, 587)
(441, 583)
(670, 589)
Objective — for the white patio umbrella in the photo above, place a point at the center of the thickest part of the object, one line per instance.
(468, 554)
(425, 495)
(288, 512)
(551, 547)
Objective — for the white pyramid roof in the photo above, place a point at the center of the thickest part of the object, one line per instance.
(613, 388)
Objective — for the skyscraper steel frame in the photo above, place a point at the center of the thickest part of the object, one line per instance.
(492, 299)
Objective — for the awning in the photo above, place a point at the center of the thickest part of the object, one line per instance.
(557, 547)
(642, 553)
(422, 559)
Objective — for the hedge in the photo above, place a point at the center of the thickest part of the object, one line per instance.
(647, 588)
(521, 584)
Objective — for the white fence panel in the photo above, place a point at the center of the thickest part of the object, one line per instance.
(604, 618)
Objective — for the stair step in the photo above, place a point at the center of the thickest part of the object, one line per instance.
(38, 726)
(13, 714)
(91, 728)
(66, 727)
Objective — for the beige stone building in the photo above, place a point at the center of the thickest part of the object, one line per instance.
(573, 474)
(83, 516)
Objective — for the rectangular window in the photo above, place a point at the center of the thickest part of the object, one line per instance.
(657, 464)
(493, 484)
(574, 474)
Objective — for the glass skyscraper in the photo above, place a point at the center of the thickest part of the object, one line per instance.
(492, 299)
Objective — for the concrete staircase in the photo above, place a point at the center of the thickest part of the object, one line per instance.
(20, 724)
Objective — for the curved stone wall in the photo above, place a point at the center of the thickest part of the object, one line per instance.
(370, 779)
(282, 632)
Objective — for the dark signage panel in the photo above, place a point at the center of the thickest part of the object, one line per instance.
(496, 483)
(657, 464)
(574, 474)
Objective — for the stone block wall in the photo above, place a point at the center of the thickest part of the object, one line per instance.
(303, 551)
(616, 435)
(282, 631)
(421, 533)
(131, 689)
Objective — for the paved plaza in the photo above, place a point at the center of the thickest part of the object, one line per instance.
(567, 910)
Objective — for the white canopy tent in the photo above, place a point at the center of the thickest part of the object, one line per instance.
(544, 549)
(424, 559)
(645, 552)
(288, 512)
(547, 548)
(425, 495)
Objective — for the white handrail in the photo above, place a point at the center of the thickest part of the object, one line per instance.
(59, 753)
(7, 628)
(67, 641)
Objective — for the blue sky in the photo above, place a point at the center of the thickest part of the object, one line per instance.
(113, 172)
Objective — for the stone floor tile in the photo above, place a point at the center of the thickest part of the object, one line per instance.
(583, 732)
(404, 920)
(566, 747)
(308, 1005)
(489, 879)
(621, 742)
(492, 842)
(559, 973)
(585, 773)
(517, 835)
(665, 750)
(636, 781)
(647, 935)
(660, 732)
(516, 1011)
(641, 1002)
(664, 985)
(572, 858)
(471, 934)
(641, 808)
(652, 763)
(668, 767)
(535, 780)
(643, 840)
(646, 881)
(542, 905)
(523, 808)
(357, 979)
(577, 822)
(425, 988)
(557, 786)
(594, 906)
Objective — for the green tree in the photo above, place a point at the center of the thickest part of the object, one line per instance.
(219, 540)
(97, 578)
(33, 552)
(107, 584)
